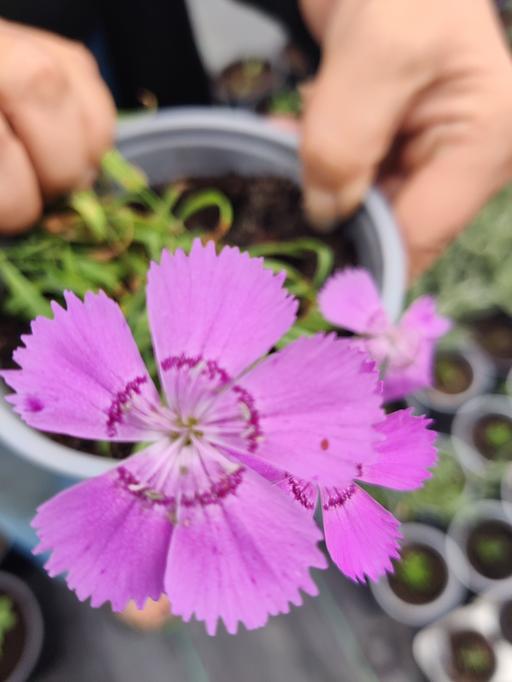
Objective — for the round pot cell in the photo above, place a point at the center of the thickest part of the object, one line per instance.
(422, 587)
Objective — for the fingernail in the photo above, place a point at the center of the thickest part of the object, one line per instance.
(321, 207)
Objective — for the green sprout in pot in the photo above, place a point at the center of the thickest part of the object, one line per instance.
(415, 570)
(473, 657)
(492, 435)
(452, 372)
(489, 548)
(246, 81)
(8, 619)
(420, 574)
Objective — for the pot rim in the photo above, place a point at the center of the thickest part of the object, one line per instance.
(66, 461)
(417, 615)
(29, 606)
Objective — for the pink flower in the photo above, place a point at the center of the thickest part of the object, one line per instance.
(200, 513)
(404, 351)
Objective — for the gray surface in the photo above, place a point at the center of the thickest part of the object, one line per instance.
(339, 636)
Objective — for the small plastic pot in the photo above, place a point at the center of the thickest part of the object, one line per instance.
(198, 142)
(419, 614)
(442, 405)
(476, 623)
(477, 534)
(23, 643)
(468, 432)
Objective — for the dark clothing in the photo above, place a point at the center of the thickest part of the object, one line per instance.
(149, 44)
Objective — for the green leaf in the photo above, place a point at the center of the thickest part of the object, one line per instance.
(298, 248)
(118, 169)
(25, 296)
(208, 198)
(88, 207)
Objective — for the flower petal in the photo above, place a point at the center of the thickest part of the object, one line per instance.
(361, 536)
(244, 559)
(82, 374)
(112, 541)
(399, 382)
(224, 308)
(351, 300)
(422, 317)
(405, 455)
(424, 327)
(316, 402)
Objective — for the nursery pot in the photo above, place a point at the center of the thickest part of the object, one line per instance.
(463, 647)
(480, 553)
(195, 142)
(23, 641)
(439, 593)
(462, 372)
(482, 434)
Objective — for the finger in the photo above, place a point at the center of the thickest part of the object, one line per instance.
(436, 202)
(353, 114)
(96, 103)
(40, 106)
(20, 199)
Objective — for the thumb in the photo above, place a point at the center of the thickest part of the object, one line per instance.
(440, 198)
(352, 114)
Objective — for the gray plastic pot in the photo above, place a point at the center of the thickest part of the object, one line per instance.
(189, 142)
(418, 615)
(459, 531)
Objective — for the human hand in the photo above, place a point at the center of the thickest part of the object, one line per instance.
(414, 94)
(56, 120)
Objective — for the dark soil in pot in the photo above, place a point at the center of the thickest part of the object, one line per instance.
(506, 620)
(13, 634)
(265, 209)
(472, 657)
(10, 331)
(494, 335)
(489, 548)
(492, 437)
(420, 574)
(452, 373)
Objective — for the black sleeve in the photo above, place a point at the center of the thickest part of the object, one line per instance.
(287, 12)
(71, 18)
